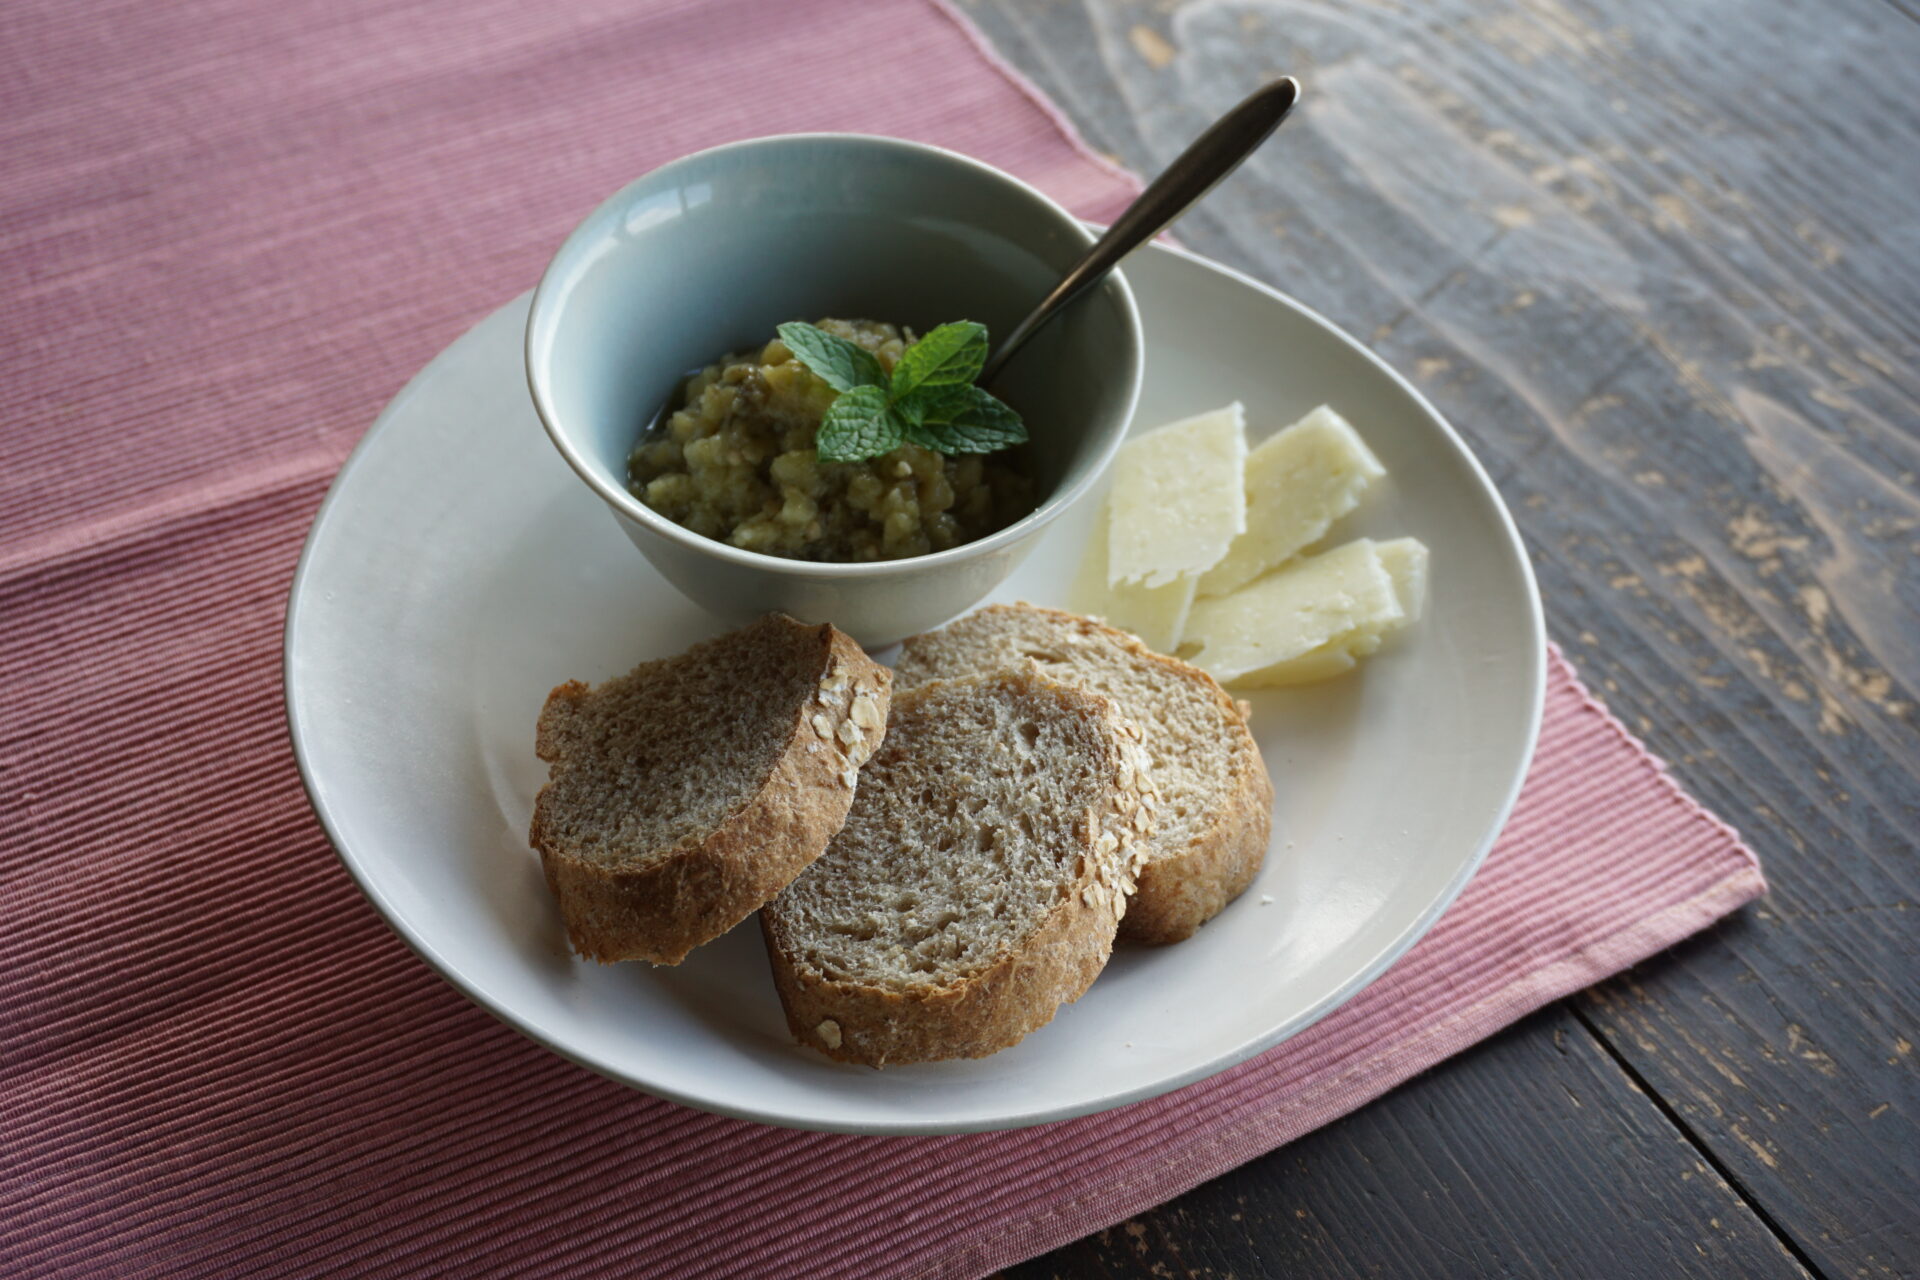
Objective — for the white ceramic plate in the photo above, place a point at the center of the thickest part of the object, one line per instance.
(458, 571)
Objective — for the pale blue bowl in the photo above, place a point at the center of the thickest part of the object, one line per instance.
(709, 253)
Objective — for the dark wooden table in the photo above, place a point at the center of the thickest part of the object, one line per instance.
(1660, 262)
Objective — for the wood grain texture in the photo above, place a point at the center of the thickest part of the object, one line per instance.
(1402, 1188)
(1661, 265)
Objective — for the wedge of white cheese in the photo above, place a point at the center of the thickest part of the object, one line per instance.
(1157, 615)
(1299, 481)
(1179, 499)
(1308, 609)
(1405, 560)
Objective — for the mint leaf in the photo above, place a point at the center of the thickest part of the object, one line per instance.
(841, 364)
(859, 424)
(973, 422)
(950, 356)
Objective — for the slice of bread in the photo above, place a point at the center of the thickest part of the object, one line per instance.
(1216, 800)
(978, 881)
(686, 793)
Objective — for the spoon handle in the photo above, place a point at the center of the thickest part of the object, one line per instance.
(1213, 155)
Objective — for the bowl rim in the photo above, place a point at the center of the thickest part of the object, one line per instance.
(545, 300)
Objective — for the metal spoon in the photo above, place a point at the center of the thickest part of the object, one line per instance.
(1199, 169)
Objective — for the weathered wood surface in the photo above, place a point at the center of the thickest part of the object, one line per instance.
(1403, 1188)
(1661, 264)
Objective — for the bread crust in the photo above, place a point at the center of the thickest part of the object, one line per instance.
(1182, 889)
(663, 908)
(995, 1007)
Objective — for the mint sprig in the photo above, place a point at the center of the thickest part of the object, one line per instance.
(930, 399)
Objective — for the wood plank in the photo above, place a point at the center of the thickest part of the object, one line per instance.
(1659, 264)
(1533, 1155)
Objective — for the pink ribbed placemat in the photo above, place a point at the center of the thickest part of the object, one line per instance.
(229, 232)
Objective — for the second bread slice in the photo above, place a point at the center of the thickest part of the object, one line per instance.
(978, 881)
(1216, 800)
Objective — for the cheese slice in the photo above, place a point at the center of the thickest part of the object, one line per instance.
(1179, 499)
(1405, 561)
(1310, 605)
(1329, 660)
(1156, 614)
(1299, 481)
